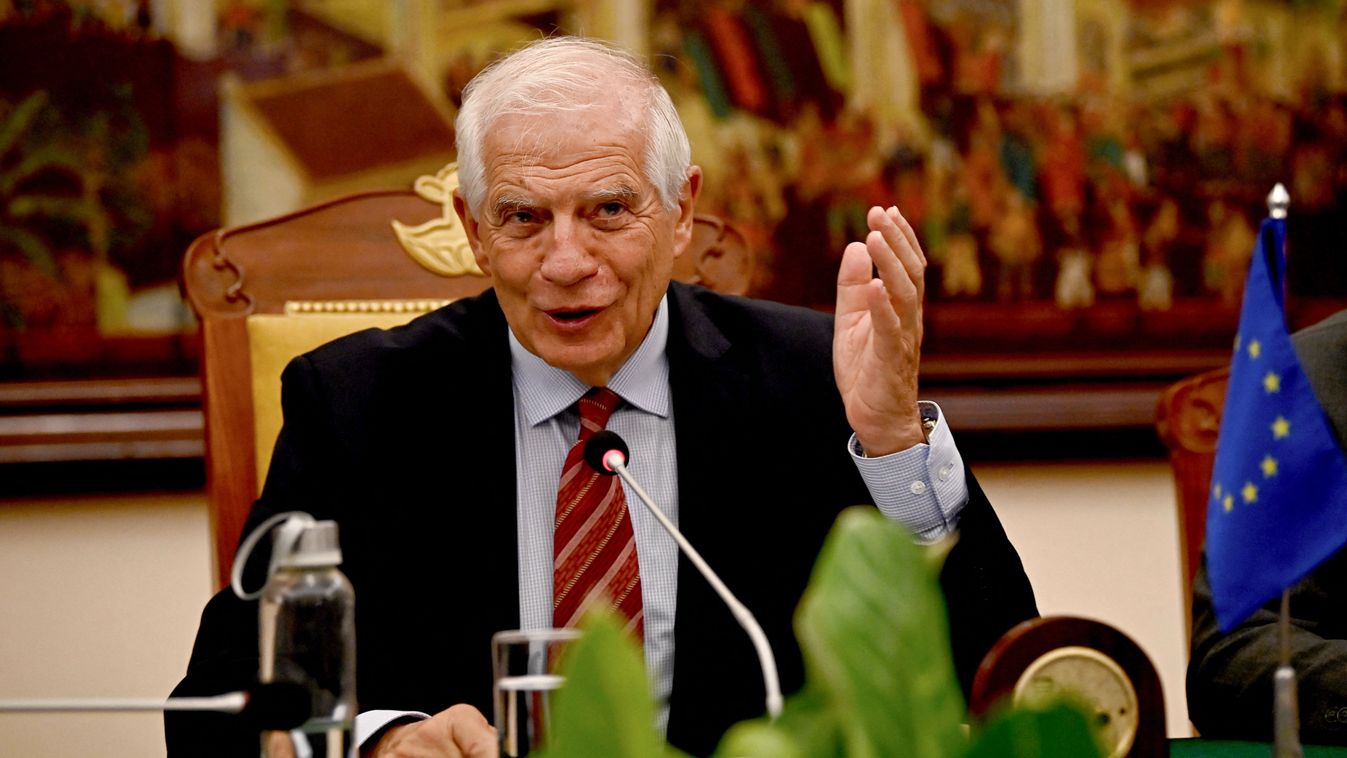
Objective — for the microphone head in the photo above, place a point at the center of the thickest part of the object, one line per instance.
(278, 705)
(598, 447)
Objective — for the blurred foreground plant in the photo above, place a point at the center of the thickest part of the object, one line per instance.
(880, 677)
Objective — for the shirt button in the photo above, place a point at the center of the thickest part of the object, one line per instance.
(945, 471)
(918, 487)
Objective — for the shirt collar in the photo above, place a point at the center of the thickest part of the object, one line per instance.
(643, 381)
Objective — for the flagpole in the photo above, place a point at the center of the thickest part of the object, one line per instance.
(1286, 714)
(1286, 709)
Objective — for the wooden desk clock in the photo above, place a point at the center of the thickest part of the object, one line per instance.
(1100, 668)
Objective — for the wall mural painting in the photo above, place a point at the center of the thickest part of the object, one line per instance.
(1084, 174)
(109, 167)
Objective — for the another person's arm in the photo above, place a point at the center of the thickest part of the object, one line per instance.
(1230, 690)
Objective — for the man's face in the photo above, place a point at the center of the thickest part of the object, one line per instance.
(579, 248)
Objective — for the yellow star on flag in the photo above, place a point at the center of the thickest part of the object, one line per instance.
(1272, 383)
(1255, 349)
(1237, 343)
(1269, 466)
(1281, 428)
(1216, 491)
(1249, 493)
(1228, 503)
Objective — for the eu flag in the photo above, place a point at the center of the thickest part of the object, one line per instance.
(1277, 505)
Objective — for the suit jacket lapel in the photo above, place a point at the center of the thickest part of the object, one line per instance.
(706, 393)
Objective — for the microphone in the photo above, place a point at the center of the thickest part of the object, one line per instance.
(275, 705)
(608, 453)
(600, 445)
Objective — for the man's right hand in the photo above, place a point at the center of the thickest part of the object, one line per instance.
(457, 732)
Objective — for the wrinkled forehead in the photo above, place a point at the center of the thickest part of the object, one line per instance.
(603, 131)
(561, 100)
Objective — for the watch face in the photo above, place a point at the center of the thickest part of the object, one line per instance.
(1091, 680)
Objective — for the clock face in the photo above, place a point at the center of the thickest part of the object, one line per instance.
(1092, 680)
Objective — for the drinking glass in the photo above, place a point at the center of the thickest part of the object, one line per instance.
(523, 675)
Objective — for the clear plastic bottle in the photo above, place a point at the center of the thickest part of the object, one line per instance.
(306, 621)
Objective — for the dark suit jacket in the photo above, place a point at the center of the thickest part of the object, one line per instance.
(406, 437)
(1230, 676)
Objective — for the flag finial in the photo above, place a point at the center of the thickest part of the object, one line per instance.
(1278, 201)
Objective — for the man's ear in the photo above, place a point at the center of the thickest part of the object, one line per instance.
(687, 203)
(470, 229)
(718, 258)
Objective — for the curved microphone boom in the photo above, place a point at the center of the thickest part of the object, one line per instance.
(275, 705)
(607, 453)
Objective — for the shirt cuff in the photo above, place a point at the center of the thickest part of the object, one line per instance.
(923, 487)
(371, 724)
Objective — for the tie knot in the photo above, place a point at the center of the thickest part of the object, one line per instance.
(596, 407)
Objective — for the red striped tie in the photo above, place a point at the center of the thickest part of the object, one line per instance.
(593, 547)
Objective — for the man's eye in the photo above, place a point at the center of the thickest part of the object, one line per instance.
(520, 217)
(609, 210)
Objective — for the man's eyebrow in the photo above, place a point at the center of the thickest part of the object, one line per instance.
(507, 203)
(622, 192)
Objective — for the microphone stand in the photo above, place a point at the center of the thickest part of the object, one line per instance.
(615, 460)
(230, 702)
(272, 705)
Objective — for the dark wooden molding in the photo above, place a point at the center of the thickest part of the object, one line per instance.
(147, 418)
(160, 417)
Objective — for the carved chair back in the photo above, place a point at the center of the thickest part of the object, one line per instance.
(1188, 419)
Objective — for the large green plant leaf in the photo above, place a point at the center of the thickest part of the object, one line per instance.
(605, 706)
(807, 728)
(876, 642)
(1059, 731)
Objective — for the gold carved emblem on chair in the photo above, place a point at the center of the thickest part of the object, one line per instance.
(441, 244)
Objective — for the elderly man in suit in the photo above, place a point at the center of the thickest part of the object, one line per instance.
(443, 447)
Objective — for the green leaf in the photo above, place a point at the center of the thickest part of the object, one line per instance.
(17, 121)
(1058, 731)
(31, 246)
(56, 206)
(807, 728)
(873, 628)
(36, 161)
(605, 706)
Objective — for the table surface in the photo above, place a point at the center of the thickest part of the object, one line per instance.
(1200, 748)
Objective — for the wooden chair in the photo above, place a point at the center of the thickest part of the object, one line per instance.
(268, 291)
(1188, 419)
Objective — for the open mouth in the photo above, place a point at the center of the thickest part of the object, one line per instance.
(572, 316)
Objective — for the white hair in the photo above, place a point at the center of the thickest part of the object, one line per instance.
(565, 74)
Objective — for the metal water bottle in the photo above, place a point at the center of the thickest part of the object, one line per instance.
(306, 621)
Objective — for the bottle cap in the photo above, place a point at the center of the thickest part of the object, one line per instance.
(317, 546)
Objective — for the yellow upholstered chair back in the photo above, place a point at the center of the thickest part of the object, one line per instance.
(274, 339)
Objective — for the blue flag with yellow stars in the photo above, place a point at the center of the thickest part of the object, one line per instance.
(1277, 506)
